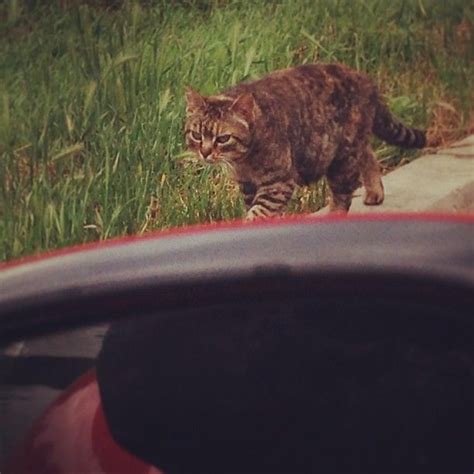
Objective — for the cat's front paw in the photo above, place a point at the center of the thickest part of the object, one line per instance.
(257, 212)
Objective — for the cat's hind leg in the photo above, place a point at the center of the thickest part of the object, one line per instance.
(343, 177)
(371, 178)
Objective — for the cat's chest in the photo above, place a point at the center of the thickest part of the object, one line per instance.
(245, 172)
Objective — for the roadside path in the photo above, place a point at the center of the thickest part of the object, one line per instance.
(441, 181)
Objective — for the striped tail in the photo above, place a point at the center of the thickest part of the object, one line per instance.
(392, 131)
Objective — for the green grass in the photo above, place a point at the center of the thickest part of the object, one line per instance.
(91, 100)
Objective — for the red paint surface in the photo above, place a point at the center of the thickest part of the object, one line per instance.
(72, 437)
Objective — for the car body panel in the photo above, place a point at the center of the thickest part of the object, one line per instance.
(169, 265)
(418, 257)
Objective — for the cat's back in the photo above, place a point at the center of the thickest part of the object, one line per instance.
(327, 82)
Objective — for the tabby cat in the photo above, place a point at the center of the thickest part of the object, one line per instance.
(292, 127)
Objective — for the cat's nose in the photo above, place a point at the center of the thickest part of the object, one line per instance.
(205, 152)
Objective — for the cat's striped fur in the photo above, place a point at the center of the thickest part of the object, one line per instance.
(294, 126)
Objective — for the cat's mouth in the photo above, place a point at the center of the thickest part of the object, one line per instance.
(211, 159)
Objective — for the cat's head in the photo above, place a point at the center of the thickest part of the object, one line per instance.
(219, 128)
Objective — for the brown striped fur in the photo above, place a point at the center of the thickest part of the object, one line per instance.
(292, 127)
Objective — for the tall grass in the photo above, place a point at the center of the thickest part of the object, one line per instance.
(91, 100)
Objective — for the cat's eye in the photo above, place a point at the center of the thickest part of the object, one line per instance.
(196, 135)
(223, 138)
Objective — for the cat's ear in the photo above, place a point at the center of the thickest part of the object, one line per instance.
(194, 101)
(244, 105)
